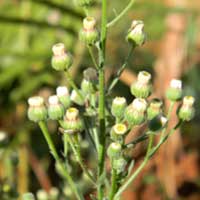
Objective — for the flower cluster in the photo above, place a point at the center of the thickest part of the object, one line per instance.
(85, 109)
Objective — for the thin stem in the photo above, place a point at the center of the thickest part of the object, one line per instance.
(65, 145)
(79, 159)
(123, 12)
(101, 108)
(168, 117)
(92, 57)
(120, 71)
(137, 140)
(135, 174)
(114, 184)
(52, 148)
(162, 140)
(73, 85)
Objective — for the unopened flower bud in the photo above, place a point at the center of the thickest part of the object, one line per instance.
(42, 195)
(142, 87)
(114, 150)
(174, 92)
(76, 98)
(157, 123)
(53, 193)
(118, 107)
(63, 96)
(3, 139)
(90, 74)
(61, 59)
(135, 113)
(87, 87)
(28, 196)
(37, 110)
(85, 2)
(89, 33)
(136, 34)
(55, 108)
(186, 111)
(119, 164)
(118, 132)
(72, 121)
(154, 109)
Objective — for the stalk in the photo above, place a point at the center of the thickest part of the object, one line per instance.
(101, 109)
(52, 148)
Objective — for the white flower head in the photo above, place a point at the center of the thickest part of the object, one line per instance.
(119, 101)
(139, 104)
(120, 129)
(163, 120)
(144, 77)
(35, 101)
(115, 146)
(188, 101)
(58, 49)
(62, 91)
(3, 136)
(176, 84)
(89, 23)
(72, 114)
(53, 100)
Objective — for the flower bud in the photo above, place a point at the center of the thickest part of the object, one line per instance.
(114, 150)
(157, 123)
(76, 98)
(119, 164)
(174, 92)
(3, 139)
(63, 96)
(85, 2)
(87, 87)
(54, 193)
(118, 107)
(42, 195)
(72, 121)
(60, 60)
(142, 87)
(89, 33)
(186, 111)
(154, 109)
(135, 113)
(28, 196)
(37, 110)
(136, 34)
(118, 132)
(55, 109)
(90, 74)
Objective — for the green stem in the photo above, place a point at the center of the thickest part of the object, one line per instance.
(92, 57)
(73, 85)
(120, 71)
(78, 157)
(149, 154)
(168, 117)
(101, 108)
(65, 145)
(162, 140)
(126, 9)
(52, 148)
(139, 169)
(114, 184)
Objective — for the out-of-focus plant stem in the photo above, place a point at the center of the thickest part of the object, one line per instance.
(119, 16)
(64, 171)
(102, 128)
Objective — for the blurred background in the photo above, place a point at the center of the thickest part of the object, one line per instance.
(29, 28)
